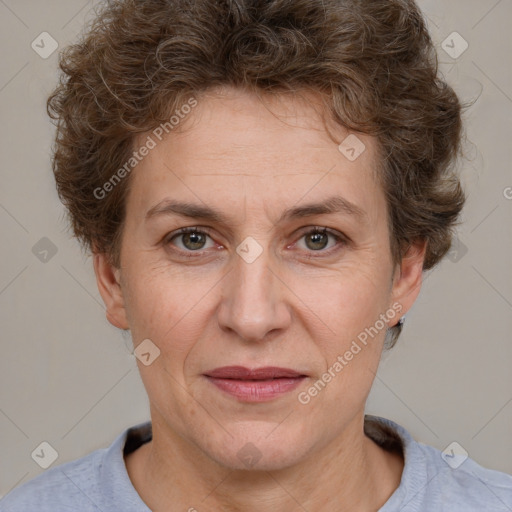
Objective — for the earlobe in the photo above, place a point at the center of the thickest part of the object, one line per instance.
(109, 286)
(408, 277)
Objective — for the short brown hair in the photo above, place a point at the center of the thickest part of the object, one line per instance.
(372, 61)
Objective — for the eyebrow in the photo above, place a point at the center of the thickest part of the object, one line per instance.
(331, 205)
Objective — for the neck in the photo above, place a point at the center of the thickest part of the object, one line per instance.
(352, 473)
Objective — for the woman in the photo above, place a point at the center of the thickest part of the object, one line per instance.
(262, 185)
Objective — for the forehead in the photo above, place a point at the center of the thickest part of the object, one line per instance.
(268, 151)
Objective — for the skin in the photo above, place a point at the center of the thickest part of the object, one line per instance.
(295, 306)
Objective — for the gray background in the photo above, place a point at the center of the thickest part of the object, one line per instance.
(68, 377)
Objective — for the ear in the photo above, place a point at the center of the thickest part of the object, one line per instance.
(108, 281)
(408, 276)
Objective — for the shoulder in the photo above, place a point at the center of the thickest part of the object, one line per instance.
(94, 483)
(456, 478)
(70, 486)
(432, 479)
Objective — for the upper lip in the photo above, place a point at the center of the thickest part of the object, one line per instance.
(242, 373)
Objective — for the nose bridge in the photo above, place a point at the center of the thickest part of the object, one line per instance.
(252, 301)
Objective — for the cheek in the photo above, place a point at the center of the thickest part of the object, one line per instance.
(351, 350)
(164, 304)
(347, 300)
(171, 304)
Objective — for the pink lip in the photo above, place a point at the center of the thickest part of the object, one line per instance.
(258, 385)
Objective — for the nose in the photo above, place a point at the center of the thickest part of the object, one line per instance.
(253, 300)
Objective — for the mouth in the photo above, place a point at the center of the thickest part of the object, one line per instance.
(257, 385)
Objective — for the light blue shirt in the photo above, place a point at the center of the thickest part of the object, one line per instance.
(431, 481)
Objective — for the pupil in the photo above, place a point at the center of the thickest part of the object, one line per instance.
(194, 239)
(316, 236)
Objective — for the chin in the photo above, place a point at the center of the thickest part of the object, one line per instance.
(259, 450)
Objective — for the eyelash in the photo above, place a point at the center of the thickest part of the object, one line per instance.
(341, 239)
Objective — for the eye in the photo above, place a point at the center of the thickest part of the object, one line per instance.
(317, 239)
(192, 239)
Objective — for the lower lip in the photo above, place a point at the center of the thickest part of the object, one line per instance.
(256, 390)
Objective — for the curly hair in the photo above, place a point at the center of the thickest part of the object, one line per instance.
(372, 61)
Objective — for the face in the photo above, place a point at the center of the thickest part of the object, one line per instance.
(256, 286)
